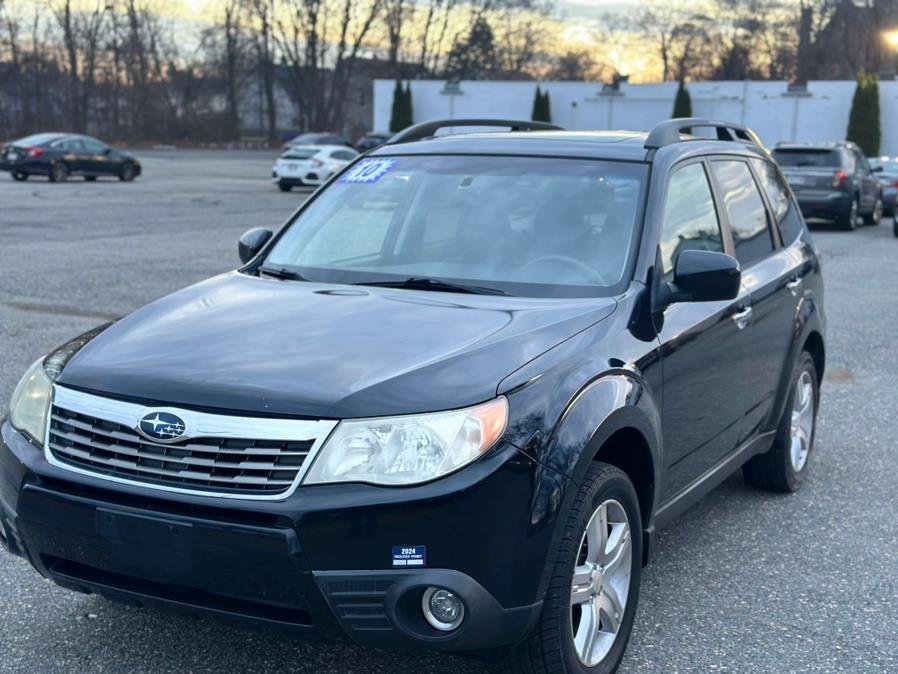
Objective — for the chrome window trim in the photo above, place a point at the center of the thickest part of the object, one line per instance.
(198, 425)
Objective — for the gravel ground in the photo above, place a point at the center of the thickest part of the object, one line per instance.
(744, 582)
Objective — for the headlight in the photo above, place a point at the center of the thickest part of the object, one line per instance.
(409, 449)
(31, 402)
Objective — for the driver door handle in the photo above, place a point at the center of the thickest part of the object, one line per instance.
(742, 318)
(794, 285)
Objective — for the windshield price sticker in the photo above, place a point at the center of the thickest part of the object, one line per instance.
(405, 555)
(368, 171)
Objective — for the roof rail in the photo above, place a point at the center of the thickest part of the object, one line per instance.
(668, 132)
(429, 129)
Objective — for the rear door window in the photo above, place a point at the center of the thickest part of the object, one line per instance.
(745, 210)
(806, 158)
(690, 218)
(785, 212)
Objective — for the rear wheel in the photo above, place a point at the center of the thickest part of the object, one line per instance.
(784, 465)
(59, 172)
(19, 176)
(874, 216)
(895, 226)
(848, 220)
(591, 601)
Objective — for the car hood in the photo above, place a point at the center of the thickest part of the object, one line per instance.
(271, 347)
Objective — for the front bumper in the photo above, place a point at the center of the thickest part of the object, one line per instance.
(317, 563)
(823, 203)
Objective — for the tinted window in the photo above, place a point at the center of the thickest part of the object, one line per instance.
(298, 153)
(523, 225)
(785, 211)
(807, 158)
(745, 211)
(690, 221)
(93, 145)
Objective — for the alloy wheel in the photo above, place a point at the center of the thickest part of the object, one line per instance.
(601, 582)
(802, 427)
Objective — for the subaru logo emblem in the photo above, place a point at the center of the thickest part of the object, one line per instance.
(161, 426)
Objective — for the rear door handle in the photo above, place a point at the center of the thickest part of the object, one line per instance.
(794, 285)
(742, 318)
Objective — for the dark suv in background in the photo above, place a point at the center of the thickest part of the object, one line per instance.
(448, 405)
(832, 181)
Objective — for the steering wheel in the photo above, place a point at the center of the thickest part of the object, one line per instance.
(594, 274)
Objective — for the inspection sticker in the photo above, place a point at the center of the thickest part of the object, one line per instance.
(368, 171)
(409, 555)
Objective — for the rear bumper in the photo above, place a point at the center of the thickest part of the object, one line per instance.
(823, 204)
(318, 563)
(31, 167)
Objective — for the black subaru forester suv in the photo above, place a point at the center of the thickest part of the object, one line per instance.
(448, 405)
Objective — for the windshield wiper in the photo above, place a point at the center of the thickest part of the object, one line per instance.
(423, 283)
(282, 273)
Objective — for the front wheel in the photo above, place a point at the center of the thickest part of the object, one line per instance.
(591, 601)
(874, 216)
(284, 187)
(19, 176)
(127, 173)
(785, 464)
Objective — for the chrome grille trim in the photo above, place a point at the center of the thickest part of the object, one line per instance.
(223, 456)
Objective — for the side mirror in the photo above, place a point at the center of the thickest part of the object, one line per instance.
(252, 242)
(704, 276)
(877, 169)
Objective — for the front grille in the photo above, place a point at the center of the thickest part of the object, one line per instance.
(214, 464)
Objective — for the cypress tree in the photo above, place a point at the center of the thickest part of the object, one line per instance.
(396, 124)
(409, 113)
(864, 124)
(541, 107)
(683, 102)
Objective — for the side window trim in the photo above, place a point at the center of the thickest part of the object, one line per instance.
(725, 222)
(729, 246)
(772, 224)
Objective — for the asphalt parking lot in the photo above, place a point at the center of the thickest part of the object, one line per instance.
(745, 582)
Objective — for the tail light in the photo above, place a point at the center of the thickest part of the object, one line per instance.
(839, 179)
(895, 184)
(34, 152)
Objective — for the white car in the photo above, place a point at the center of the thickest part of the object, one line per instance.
(310, 165)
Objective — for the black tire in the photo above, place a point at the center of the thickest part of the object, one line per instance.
(284, 187)
(848, 220)
(127, 174)
(19, 176)
(874, 217)
(774, 470)
(550, 647)
(59, 172)
(895, 227)
(90, 179)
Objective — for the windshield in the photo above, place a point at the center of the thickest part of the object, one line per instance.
(809, 158)
(521, 225)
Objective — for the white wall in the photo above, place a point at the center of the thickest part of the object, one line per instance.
(764, 106)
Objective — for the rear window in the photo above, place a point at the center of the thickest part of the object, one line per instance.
(299, 154)
(800, 158)
(36, 139)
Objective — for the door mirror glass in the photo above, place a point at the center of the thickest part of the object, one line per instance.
(252, 242)
(705, 276)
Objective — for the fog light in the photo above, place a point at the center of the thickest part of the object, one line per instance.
(443, 610)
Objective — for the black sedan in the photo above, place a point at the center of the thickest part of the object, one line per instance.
(61, 155)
